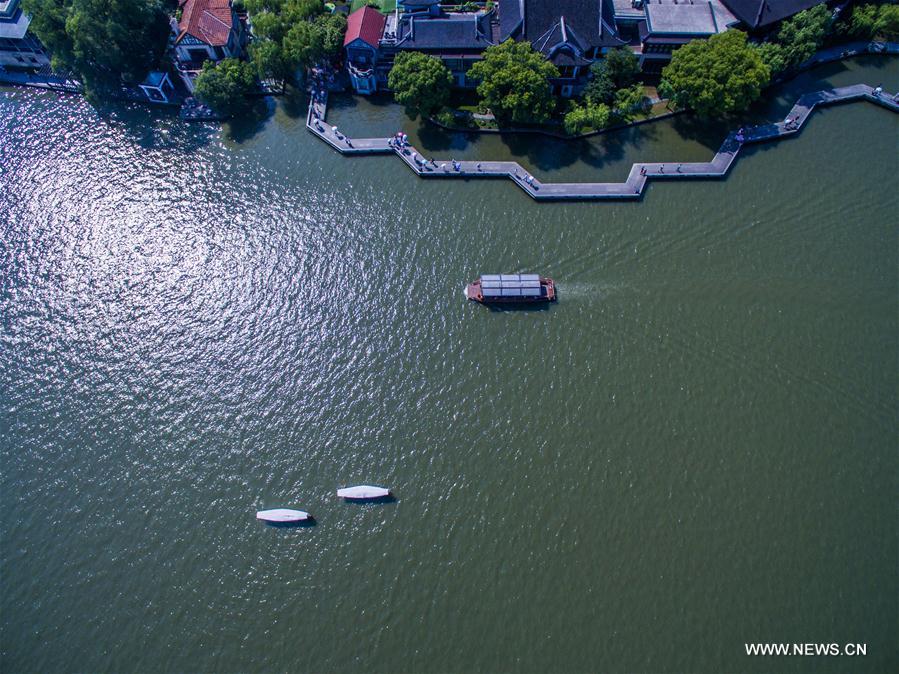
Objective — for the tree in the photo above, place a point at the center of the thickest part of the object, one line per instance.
(268, 25)
(587, 117)
(226, 87)
(333, 28)
(773, 56)
(514, 82)
(601, 88)
(421, 83)
(104, 41)
(870, 21)
(269, 61)
(803, 35)
(629, 100)
(309, 42)
(721, 75)
(48, 22)
(887, 25)
(622, 66)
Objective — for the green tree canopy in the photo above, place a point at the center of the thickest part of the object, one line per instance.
(721, 75)
(421, 83)
(104, 41)
(269, 61)
(268, 25)
(623, 67)
(617, 70)
(871, 21)
(629, 100)
(309, 42)
(803, 35)
(226, 87)
(601, 87)
(586, 117)
(514, 82)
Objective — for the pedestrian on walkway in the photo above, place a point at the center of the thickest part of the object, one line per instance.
(479, 167)
(642, 170)
(679, 168)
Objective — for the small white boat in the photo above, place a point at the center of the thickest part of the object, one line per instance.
(282, 515)
(363, 492)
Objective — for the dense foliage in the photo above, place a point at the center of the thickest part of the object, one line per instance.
(797, 40)
(721, 75)
(514, 82)
(310, 42)
(292, 34)
(874, 21)
(421, 83)
(629, 100)
(105, 42)
(225, 87)
(617, 70)
(587, 117)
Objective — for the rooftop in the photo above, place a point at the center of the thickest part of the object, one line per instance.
(681, 18)
(209, 21)
(13, 21)
(582, 23)
(758, 13)
(448, 31)
(366, 24)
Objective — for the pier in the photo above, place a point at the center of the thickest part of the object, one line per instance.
(640, 173)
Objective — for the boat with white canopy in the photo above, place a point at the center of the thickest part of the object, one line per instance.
(282, 515)
(363, 492)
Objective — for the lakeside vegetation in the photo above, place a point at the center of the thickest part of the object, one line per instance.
(109, 43)
(715, 77)
(105, 43)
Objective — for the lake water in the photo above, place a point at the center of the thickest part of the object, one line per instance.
(695, 448)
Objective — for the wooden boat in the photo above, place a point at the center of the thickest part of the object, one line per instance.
(282, 515)
(511, 289)
(363, 492)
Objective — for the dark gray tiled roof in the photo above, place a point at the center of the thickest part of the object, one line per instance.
(758, 13)
(588, 23)
(450, 31)
(509, 17)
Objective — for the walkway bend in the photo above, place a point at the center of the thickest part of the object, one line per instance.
(640, 174)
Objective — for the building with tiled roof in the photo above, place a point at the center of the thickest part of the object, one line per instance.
(572, 34)
(757, 14)
(208, 30)
(364, 30)
(18, 49)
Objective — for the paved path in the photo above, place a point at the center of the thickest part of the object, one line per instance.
(639, 175)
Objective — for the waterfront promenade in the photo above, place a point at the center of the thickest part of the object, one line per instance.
(640, 173)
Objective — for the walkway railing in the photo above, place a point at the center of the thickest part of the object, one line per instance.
(640, 174)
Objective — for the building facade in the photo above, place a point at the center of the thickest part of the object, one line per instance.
(209, 30)
(18, 48)
(572, 34)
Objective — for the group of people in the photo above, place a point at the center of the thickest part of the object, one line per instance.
(399, 140)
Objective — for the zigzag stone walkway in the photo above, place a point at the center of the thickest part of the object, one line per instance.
(637, 179)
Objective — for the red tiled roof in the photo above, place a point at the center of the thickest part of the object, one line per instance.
(366, 24)
(207, 20)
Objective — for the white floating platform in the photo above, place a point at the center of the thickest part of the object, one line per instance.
(363, 492)
(282, 515)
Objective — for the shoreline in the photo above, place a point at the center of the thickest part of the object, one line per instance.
(640, 173)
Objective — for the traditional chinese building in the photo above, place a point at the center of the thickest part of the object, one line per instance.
(208, 30)
(18, 49)
(572, 34)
